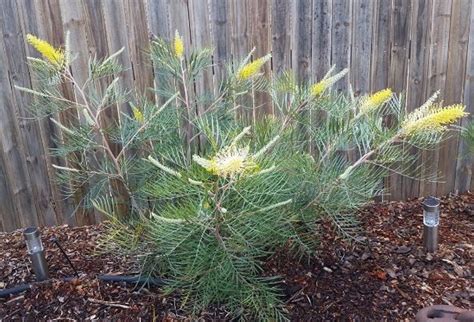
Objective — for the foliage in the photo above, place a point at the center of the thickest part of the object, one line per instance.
(200, 194)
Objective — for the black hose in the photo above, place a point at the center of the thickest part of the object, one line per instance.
(132, 279)
(14, 290)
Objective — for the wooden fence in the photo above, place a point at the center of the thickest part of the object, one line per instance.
(414, 46)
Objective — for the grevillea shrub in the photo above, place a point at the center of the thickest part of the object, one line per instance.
(200, 192)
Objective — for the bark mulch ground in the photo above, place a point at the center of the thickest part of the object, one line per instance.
(387, 276)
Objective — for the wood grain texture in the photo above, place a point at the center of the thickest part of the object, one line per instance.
(464, 168)
(455, 75)
(281, 36)
(400, 26)
(341, 40)
(361, 45)
(417, 74)
(379, 68)
(321, 39)
(438, 64)
(301, 46)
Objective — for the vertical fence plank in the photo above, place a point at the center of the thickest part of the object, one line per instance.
(240, 47)
(9, 219)
(29, 128)
(221, 32)
(321, 38)
(74, 23)
(201, 38)
(259, 13)
(361, 46)
(138, 44)
(116, 39)
(158, 18)
(381, 45)
(457, 56)
(400, 23)
(49, 26)
(19, 183)
(438, 60)
(281, 36)
(465, 164)
(341, 40)
(178, 10)
(302, 40)
(417, 73)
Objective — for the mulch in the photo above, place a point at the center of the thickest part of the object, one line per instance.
(386, 276)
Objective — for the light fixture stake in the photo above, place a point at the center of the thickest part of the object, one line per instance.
(36, 252)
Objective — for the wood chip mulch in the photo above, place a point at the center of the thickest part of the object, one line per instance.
(386, 276)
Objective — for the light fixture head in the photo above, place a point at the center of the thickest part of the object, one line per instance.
(33, 240)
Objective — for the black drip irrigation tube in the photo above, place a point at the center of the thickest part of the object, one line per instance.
(131, 279)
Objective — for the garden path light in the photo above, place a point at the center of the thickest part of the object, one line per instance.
(430, 223)
(36, 252)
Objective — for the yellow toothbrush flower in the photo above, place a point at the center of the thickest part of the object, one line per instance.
(375, 100)
(137, 114)
(432, 119)
(54, 55)
(328, 81)
(251, 69)
(227, 163)
(178, 45)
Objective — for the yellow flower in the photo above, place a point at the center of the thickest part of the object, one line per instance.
(178, 45)
(320, 87)
(251, 69)
(228, 163)
(432, 119)
(54, 55)
(375, 100)
(137, 114)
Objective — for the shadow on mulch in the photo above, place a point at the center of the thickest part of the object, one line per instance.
(388, 276)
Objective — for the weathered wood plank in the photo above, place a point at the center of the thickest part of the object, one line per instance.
(381, 45)
(341, 40)
(438, 64)
(455, 75)
(47, 24)
(321, 38)
(200, 39)
(240, 47)
(400, 23)
(35, 154)
(138, 43)
(361, 45)
(9, 219)
(464, 169)
(301, 44)
(158, 18)
(417, 73)
(221, 32)
(19, 183)
(260, 38)
(117, 38)
(281, 36)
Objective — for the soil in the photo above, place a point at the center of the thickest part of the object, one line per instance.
(387, 275)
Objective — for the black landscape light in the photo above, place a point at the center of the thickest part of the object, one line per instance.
(430, 223)
(36, 252)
